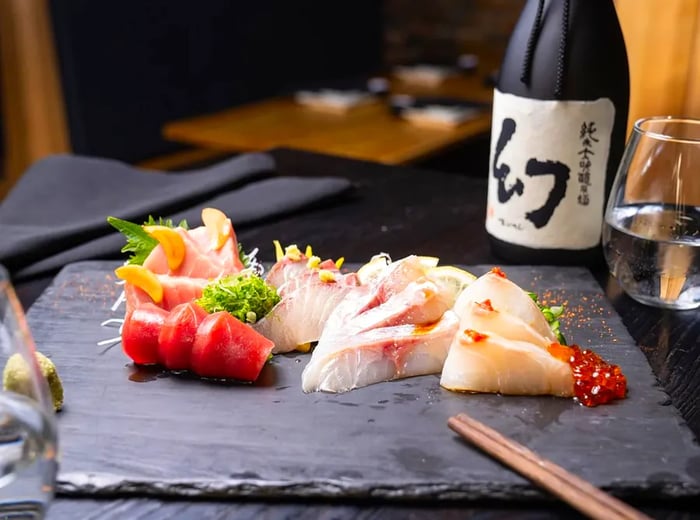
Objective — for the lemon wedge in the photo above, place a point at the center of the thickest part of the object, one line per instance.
(450, 279)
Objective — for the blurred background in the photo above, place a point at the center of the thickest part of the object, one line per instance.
(109, 79)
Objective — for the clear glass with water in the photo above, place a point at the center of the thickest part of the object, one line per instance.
(28, 439)
(651, 235)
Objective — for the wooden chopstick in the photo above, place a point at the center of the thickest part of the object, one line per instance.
(578, 493)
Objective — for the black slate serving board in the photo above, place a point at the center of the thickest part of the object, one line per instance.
(127, 431)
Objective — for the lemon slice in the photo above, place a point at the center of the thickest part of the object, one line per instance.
(428, 261)
(450, 279)
(372, 269)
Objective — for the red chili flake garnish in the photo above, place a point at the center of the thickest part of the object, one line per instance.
(486, 305)
(474, 335)
(595, 380)
(498, 272)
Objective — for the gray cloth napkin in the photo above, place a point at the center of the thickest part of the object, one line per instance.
(56, 214)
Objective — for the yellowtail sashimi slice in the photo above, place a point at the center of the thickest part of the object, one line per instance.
(299, 318)
(420, 302)
(343, 363)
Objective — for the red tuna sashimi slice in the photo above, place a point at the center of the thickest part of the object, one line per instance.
(177, 335)
(226, 348)
(201, 259)
(301, 315)
(346, 362)
(176, 290)
(140, 333)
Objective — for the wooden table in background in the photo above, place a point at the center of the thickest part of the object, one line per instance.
(370, 132)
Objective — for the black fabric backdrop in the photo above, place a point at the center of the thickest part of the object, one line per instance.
(56, 214)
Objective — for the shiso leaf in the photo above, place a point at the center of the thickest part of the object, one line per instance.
(138, 242)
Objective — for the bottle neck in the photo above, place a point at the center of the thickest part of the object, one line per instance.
(532, 43)
(565, 49)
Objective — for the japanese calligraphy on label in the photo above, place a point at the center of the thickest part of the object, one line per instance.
(547, 171)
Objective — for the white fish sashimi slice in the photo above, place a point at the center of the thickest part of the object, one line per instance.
(285, 270)
(343, 363)
(489, 320)
(507, 298)
(346, 310)
(304, 277)
(418, 303)
(394, 279)
(492, 364)
(301, 316)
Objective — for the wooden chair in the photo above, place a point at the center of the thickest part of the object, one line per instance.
(33, 116)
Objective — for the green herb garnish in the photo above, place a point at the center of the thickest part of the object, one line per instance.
(551, 314)
(245, 259)
(138, 242)
(244, 295)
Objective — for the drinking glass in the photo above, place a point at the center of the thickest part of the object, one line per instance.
(28, 439)
(651, 234)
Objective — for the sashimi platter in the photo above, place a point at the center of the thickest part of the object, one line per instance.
(194, 302)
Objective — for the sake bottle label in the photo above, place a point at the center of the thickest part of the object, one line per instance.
(547, 171)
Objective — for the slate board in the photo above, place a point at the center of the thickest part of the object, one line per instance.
(174, 436)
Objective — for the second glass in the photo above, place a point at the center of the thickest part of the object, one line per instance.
(651, 234)
(28, 438)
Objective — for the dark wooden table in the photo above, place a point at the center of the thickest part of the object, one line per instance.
(369, 132)
(402, 211)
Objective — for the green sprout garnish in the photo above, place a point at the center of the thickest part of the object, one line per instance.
(245, 259)
(551, 314)
(245, 295)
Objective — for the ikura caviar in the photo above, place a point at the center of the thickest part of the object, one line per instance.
(595, 381)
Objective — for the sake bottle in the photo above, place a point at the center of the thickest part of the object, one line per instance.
(559, 121)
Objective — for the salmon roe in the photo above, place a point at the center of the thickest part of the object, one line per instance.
(595, 381)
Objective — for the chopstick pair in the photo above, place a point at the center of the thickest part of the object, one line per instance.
(577, 492)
